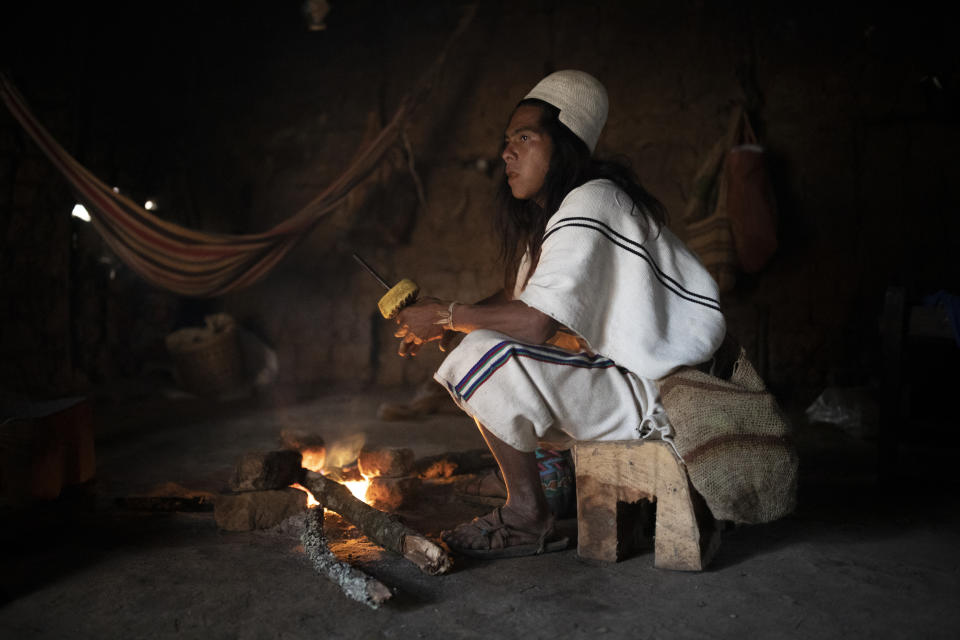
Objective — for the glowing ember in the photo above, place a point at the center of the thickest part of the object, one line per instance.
(311, 501)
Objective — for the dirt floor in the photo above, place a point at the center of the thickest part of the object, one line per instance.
(858, 559)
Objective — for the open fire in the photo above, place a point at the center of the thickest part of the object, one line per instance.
(311, 501)
(331, 462)
(357, 487)
(378, 481)
(382, 477)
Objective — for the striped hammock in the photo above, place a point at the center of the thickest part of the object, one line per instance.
(196, 263)
(191, 263)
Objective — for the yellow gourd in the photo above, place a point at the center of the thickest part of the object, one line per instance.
(399, 296)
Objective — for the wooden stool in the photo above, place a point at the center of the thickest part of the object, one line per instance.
(611, 476)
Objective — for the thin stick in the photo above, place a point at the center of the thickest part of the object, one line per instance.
(354, 583)
(166, 503)
(371, 270)
(383, 528)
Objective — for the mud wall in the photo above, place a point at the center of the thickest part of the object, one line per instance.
(233, 120)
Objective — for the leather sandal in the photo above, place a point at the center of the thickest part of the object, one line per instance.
(498, 534)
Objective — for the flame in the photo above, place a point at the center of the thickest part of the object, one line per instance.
(330, 461)
(358, 488)
(311, 501)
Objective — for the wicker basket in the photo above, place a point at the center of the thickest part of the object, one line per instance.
(207, 359)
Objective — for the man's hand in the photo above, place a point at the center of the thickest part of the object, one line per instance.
(418, 324)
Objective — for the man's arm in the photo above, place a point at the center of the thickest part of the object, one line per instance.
(418, 322)
(451, 339)
(513, 318)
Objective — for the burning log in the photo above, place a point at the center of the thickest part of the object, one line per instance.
(383, 528)
(355, 584)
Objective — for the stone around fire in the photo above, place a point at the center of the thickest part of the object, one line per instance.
(257, 509)
(389, 462)
(264, 471)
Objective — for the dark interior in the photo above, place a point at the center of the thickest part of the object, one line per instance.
(232, 117)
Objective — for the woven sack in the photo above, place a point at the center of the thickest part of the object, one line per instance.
(207, 360)
(750, 203)
(735, 442)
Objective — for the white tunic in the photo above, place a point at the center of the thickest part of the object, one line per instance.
(643, 305)
(635, 294)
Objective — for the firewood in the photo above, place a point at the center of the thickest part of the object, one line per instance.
(383, 528)
(165, 503)
(355, 584)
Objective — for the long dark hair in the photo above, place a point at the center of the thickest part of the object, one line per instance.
(520, 223)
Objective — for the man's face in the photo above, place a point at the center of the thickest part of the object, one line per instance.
(526, 154)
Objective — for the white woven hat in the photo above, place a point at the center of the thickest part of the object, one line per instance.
(582, 101)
